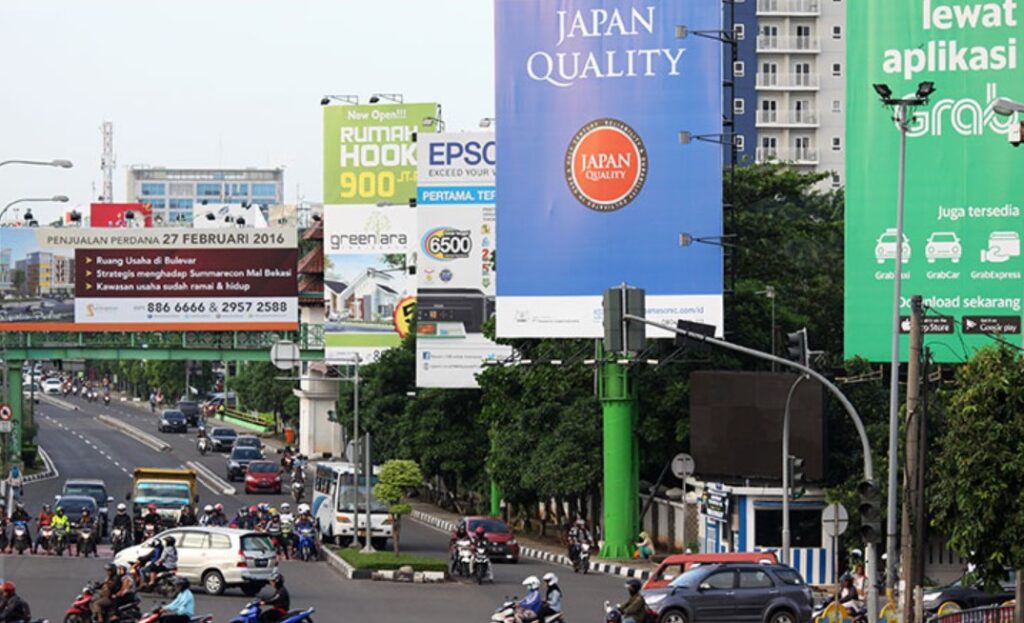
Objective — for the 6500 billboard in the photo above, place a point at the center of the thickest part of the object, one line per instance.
(593, 186)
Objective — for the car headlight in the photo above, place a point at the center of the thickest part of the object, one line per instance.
(233, 464)
(932, 596)
(513, 542)
(653, 600)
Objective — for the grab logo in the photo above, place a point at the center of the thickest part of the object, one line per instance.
(606, 165)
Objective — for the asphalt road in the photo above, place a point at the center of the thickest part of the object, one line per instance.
(82, 446)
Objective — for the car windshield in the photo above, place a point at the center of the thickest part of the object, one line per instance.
(174, 415)
(262, 468)
(76, 506)
(163, 493)
(257, 543)
(96, 492)
(248, 441)
(491, 526)
(223, 432)
(186, 405)
(690, 578)
(245, 454)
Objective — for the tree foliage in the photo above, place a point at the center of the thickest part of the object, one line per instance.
(978, 472)
(260, 387)
(397, 477)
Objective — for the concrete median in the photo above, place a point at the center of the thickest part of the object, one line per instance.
(211, 481)
(144, 438)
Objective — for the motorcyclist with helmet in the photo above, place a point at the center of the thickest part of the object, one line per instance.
(635, 608)
(60, 523)
(480, 540)
(103, 602)
(578, 535)
(20, 514)
(186, 517)
(183, 608)
(45, 519)
(552, 597)
(166, 561)
(126, 587)
(461, 534)
(529, 607)
(122, 521)
(84, 521)
(204, 519)
(218, 518)
(278, 604)
(151, 518)
(15, 609)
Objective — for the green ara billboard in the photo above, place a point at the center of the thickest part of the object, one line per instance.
(370, 152)
(964, 190)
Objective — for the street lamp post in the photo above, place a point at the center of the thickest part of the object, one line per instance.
(903, 115)
(54, 199)
(63, 164)
(786, 559)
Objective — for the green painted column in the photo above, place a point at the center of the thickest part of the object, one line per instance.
(495, 499)
(14, 400)
(620, 501)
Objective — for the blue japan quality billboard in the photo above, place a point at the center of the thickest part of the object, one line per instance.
(594, 187)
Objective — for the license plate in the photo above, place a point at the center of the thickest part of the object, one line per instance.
(262, 562)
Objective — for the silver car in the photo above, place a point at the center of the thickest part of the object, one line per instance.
(216, 558)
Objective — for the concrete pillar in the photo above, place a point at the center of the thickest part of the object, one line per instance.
(318, 398)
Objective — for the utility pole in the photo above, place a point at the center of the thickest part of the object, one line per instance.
(920, 504)
(911, 472)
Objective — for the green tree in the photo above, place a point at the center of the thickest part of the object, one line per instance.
(978, 471)
(259, 387)
(397, 477)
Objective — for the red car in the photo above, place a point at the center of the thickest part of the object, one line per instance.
(501, 542)
(263, 477)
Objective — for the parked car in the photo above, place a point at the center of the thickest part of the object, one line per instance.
(97, 490)
(210, 406)
(501, 541)
(172, 422)
(52, 387)
(216, 558)
(961, 595)
(223, 438)
(734, 592)
(190, 409)
(262, 477)
(248, 441)
(238, 461)
(674, 566)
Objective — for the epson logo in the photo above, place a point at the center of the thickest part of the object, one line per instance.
(470, 154)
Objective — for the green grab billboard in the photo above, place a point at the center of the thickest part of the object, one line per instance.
(370, 152)
(964, 189)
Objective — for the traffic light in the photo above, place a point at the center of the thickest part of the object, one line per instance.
(685, 341)
(870, 511)
(796, 477)
(618, 302)
(796, 347)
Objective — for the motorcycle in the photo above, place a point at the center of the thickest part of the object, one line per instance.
(463, 563)
(46, 538)
(20, 537)
(251, 614)
(163, 584)
(106, 400)
(60, 540)
(506, 613)
(154, 616)
(80, 612)
(203, 444)
(298, 490)
(118, 539)
(481, 564)
(582, 562)
(307, 544)
(86, 541)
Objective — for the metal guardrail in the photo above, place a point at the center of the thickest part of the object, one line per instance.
(987, 614)
(308, 337)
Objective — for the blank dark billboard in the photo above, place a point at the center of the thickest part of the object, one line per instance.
(736, 425)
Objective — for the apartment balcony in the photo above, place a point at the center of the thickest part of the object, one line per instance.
(787, 119)
(800, 157)
(787, 82)
(786, 44)
(789, 8)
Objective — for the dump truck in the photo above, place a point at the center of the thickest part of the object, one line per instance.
(168, 489)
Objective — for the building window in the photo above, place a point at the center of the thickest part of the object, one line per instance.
(156, 204)
(837, 69)
(264, 190)
(180, 204)
(805, 527)
(837, 32)
(837, 143)
(739, 106)
(238, 190)
(740, 31)
(739, 142)
(835, 180)
(837, 106)
(208, 190)
(150, 189)
(738, 69)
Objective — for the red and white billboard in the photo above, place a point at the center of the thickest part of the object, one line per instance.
(120, 215)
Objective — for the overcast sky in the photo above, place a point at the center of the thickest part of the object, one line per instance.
(208, 83)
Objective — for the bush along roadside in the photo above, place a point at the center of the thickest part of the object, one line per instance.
(379, 561)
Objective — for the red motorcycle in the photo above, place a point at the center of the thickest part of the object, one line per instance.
(80, 612)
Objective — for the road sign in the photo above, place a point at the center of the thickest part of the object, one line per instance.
(835, 519)
(285, 355)
(682, 465)
(6, 426)
(5, 413)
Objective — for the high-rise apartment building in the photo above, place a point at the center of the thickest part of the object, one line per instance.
(790, 83)
(175, 193)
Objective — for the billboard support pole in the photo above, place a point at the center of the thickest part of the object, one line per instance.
(620, 512)
(13, 446)
(869, 468)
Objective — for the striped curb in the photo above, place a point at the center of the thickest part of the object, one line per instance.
(134, 433)
(48, 473)
(538, 554)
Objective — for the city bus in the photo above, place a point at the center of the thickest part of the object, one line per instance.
(336, 500)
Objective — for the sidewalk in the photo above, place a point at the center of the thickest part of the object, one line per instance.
(444, 521)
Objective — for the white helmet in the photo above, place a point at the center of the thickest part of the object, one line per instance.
(208, 508)
(285, 507)
(550, 578)
(121, 507)
(532, 583)
(303, 509)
